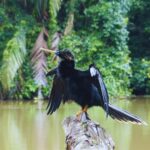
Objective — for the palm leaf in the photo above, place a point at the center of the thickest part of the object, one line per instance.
(13, 57)
(54, 6)
(39, 59)
(42, 8)
(70, 21)
(55, 40)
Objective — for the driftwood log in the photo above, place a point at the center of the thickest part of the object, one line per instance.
(86, 135)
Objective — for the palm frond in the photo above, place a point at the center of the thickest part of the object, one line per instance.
(13, 57)
(69, 25)
(42, 6)
(55, 40)
(39, 59)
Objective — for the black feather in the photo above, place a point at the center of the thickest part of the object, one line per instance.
(117, 113)
(99, 83)
(56, 95)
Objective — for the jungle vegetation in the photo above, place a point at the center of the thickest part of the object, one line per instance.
(114, 34)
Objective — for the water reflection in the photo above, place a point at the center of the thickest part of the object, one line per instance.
(24, 127)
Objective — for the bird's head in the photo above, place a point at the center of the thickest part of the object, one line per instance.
(65, 55)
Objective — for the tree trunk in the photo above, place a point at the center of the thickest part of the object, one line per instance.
(86, 135)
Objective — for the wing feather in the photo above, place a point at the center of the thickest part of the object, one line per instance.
(56, 95)
(97, 80)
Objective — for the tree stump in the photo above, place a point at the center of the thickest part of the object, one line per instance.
(86, 135)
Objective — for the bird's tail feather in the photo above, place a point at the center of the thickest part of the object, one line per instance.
(121, 115)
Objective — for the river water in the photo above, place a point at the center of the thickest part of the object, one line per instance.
(24, 127)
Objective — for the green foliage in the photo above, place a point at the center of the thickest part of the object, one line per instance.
(139, 44)
(13, 57)
(139, 28)
(99, 36)
(54, 6)
(14, 31)
(5, 25)
(140, 80)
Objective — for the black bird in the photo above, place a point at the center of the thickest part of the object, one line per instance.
(86, 88)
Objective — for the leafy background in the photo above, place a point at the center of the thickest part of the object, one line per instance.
(113, 34)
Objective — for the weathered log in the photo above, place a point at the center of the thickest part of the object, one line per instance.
(86, 135)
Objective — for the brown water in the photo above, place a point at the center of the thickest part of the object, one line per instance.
(24, 127)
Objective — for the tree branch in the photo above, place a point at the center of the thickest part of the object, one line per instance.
(86, 135)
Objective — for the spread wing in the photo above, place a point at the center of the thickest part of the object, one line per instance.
(56, 95)
(97, 80)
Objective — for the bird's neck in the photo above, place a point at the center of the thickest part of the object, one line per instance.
(66, 68)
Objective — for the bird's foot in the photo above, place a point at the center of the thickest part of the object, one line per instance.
(82, 116)
(79, 113)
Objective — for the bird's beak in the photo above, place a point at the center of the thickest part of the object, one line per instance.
(52, 52)
(47, 50)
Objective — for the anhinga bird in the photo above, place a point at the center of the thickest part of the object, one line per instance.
(86, 88)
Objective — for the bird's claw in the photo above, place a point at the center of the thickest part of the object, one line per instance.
(82, 116)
